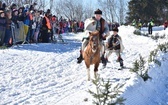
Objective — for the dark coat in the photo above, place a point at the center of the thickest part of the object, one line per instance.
(2, 23)
(114, 40)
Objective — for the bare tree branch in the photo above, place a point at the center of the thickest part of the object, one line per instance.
(70, 9)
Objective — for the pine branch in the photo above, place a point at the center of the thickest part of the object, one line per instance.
(104, 95)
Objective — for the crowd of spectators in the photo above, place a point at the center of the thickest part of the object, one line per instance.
(31, 25)
(39, 26)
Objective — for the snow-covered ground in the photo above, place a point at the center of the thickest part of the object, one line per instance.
(47, 74)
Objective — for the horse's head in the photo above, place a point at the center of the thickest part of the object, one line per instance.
(94, 40)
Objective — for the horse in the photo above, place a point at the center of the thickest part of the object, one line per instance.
(91, 53)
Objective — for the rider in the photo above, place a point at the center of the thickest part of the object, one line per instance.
(92, 24)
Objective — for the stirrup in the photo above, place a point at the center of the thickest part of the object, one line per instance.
(80, 59)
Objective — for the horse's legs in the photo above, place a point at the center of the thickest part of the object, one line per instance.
(96, 69)
(95, 75)
(88, 71)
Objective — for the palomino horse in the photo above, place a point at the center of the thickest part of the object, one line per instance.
(91, 53)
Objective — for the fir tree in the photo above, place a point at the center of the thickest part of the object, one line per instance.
(105, 95)
(145, 9)
(139, 68)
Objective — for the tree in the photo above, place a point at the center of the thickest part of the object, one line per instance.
(105, 94)
(108, 8)
(121, 11)
(113, 10)
(88, 11)
(70, 9)
(145, 9)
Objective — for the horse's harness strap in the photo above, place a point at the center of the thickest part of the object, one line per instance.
(87, 38)
(91, 57)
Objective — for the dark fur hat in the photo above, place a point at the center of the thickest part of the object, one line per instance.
(98, 11)
(115, 29)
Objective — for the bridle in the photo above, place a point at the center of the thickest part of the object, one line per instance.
(94, 43)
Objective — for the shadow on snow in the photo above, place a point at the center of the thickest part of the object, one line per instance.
(70, 45)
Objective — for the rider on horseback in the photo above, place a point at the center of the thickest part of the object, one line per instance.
(92, 24)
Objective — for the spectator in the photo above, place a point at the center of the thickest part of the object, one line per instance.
(33, 25)
(139, 24)
(27, 23)
(150, 25)
(8, 32)
(13, 7)
(15, 18)
(2, 26)
(20, 14)
(46, 28)
(38, 25)
(165, 24)
(134, 22)
(1, 6)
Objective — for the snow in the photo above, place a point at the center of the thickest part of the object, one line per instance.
(47, 73)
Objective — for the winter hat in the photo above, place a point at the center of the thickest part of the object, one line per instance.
(26, 10)
(14, 10)
(34, 3)
(21, 8)
(4, 6)
(1, 11)
(115, 29)
(48, 11)
(31, 11)
(13, 5)
(98, 11)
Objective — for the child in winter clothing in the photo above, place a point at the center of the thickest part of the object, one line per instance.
(114, 44)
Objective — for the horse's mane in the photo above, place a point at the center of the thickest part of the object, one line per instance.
(94, 32)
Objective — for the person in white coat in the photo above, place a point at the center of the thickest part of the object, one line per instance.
(93, 24)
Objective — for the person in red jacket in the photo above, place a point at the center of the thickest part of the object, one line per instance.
(46, 28)
(165, 24)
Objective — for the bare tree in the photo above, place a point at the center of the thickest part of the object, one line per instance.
(121, 11)
(109, 9)
(51, 5)
(42, 5)
(113, 10)
(70, 9)
(57, 10)
(79, 12)
(88, 11)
